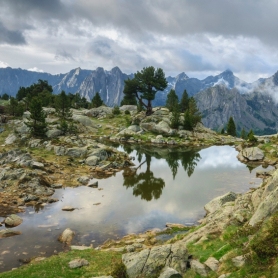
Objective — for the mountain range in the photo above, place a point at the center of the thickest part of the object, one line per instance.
(252, 105)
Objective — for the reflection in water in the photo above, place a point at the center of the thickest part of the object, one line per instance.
(144, 184)
(173, 184)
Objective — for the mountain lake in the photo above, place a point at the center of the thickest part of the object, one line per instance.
(166, 185)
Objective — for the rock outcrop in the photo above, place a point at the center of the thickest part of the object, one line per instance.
(150, 262)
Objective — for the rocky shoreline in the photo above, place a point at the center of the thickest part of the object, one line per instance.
(31, 170)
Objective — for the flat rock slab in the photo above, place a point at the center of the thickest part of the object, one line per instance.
(68, 208)
(9, 233)
(80, 248)
(175, 225)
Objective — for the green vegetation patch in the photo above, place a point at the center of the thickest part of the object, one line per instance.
(100, 263)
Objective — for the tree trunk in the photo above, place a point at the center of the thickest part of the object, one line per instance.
(149, 108)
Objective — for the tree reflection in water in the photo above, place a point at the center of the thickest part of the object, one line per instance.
(145, 184)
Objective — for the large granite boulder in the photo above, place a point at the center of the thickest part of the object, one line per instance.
(150, 262)
(77, 152)
(267, 200)
(53, 133)
(251, 154)
(84, 120)
(100, 112)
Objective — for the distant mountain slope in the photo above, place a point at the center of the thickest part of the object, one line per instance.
(255, 110)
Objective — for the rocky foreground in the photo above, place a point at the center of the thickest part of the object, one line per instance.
(31, 169)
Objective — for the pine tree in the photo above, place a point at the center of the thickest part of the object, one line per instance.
(251, 136)
(187, 121)
(243, 134)
(184, 103)
(231, 127)
(222, 131)
(62, 106)
(194, 112)
(37, 123)
(97, 101)
(145, 85)
(172, 100)
(175, 118)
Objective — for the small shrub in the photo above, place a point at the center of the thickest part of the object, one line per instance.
(116, 110)
(127, 112)
(119, 270)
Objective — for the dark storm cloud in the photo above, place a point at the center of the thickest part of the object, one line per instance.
(35, 8)
(253, 18)
(10, 36)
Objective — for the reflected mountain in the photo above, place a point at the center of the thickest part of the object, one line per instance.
(145, 184)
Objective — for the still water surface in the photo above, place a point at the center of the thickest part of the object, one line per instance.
(168, 185)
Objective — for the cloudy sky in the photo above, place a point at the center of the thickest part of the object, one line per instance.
(199, 37)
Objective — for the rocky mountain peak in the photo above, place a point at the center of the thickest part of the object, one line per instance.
(182, 76)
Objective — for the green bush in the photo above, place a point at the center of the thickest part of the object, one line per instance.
(127, 112)
(119, 270)
(116, 110)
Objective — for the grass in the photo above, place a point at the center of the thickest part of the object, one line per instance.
(100, 263)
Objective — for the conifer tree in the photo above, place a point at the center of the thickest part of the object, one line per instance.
(145, 85)
(97, 101)
(192, 116)
(37, 123)
(231, 127)
(175, 118)
(184, 103)
(62, 106)
(172, 100)
(243, 134)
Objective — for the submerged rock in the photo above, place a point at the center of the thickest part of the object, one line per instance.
(9, 233)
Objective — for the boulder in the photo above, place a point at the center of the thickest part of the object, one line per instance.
(53, 133)
(101, 153)
(252, 154)
(83, 180)
(13, 220)
(134, 128)
(92, 160)
(130, 108)
(212, 263)
(78, 263)
(67, 236)
(37, 165)
(239, 261)
(169, 273)
(77, 152)
(218, 202)
(10, 139)
(199, 268)
(99, 112)
(266, 200)
(84, 120)
(149, 262)
(60, 150)
(8, 233)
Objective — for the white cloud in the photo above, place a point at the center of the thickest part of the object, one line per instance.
(35, 69)
(3, 64)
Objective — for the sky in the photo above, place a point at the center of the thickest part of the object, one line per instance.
(198, 37)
